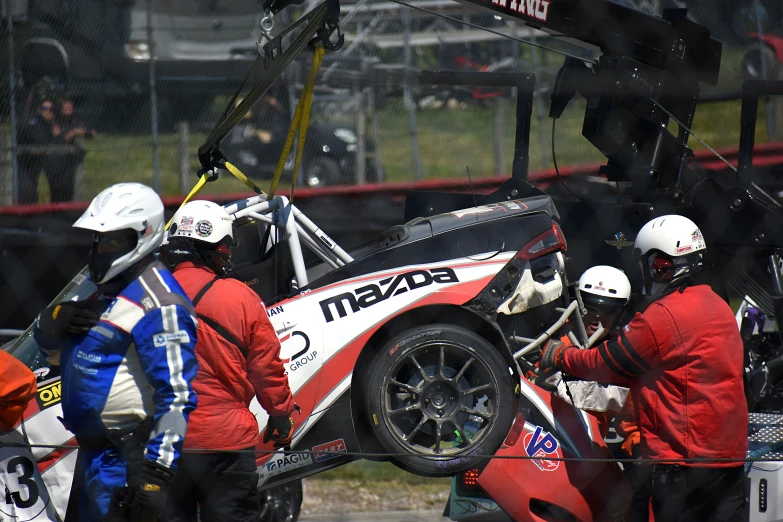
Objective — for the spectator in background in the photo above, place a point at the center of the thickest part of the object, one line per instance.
(39, 131)
(72, 132)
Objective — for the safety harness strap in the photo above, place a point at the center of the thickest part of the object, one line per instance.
(214, 324)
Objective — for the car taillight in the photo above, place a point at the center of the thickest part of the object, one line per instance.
(546, 243)
(467, 485)
(470, 477)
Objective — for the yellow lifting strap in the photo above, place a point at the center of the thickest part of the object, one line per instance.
(301, 122)
(203, 181)
(196, 188)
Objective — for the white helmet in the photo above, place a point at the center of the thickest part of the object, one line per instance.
(124, 206)
(671, 248)
(201, 232)
(673, 235)
(605, 291)
(605, 285)
(201, 221)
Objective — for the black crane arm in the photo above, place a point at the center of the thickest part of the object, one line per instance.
(671, 43)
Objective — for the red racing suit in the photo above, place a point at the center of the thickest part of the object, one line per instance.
(683, 361)
(227, 380)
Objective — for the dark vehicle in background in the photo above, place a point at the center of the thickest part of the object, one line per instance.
(98, 51)
(331, 148)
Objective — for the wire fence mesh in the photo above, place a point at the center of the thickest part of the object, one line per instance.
(95, 93)
(116, 115)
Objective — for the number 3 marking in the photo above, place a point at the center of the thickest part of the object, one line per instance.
(25, 479)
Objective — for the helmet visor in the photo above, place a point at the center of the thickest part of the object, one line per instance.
(107, 247)
(602, 310)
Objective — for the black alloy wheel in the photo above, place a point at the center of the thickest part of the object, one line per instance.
(438, 397)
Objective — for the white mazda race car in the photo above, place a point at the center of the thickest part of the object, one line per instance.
(408, 348)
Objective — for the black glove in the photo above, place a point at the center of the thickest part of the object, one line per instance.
(280, 430)
(68, 317)
(146, 500)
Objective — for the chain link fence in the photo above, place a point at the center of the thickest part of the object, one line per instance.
(94, 93)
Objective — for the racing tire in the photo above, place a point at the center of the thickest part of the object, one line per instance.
(440, 399)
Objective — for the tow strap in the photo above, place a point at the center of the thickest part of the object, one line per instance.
(300, 123)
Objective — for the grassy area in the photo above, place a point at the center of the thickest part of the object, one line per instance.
(365, 470)
(449, 140)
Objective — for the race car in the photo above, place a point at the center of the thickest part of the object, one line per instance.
(402, 348)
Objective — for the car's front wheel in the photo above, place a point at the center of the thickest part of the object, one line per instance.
(439, 398)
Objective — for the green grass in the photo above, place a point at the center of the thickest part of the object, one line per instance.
(449, 140)
(367, 471)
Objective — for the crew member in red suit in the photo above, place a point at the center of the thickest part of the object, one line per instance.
(682, 358)
(238, 358)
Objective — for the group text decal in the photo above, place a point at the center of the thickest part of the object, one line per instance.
(373, 294)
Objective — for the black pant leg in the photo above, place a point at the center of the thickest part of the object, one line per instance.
(29, 168)
(691, 494)
(233, 494)
(641, 480)
(61, 177)
(716, 495)
(184, 492)
(72, 511)
(669, 495)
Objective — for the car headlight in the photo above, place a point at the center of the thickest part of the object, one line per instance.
(346, 135)
(138, 50)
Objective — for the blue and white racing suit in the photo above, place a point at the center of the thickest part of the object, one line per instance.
(137, 364)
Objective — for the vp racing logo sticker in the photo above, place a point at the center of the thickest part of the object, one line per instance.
(541, 444)
(372, 294)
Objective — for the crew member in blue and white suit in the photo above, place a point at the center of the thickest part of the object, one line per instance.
(127, 360)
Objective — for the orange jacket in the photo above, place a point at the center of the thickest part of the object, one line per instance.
(227, 380)
(17, 387)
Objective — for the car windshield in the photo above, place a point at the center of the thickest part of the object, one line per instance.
(24, 347)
